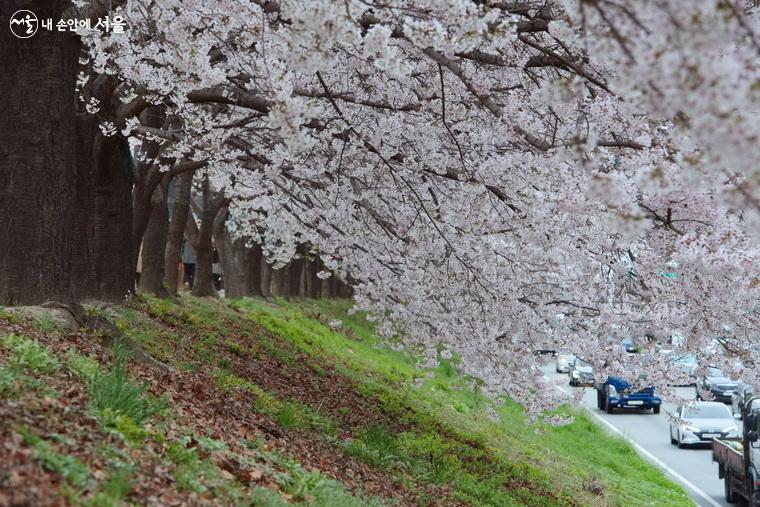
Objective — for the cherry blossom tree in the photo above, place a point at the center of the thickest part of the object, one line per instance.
(495, 177)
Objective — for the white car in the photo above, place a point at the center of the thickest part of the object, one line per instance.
(701, 422)
(564, 362)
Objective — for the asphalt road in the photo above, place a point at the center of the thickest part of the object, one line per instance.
(692, 467)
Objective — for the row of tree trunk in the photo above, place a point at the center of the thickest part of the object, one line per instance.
(76, 208)
(245, 271)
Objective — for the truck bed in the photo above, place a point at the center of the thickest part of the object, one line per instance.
(728, 452)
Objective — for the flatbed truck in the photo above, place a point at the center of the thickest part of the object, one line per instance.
(739, 459)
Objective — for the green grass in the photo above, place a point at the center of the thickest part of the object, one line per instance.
(445, 434)
(114, 490)
(73, 470)
(380, 448)
(289, 414)
(190, 471)
(9, 316)
(118, 404)
(84, 367)
(46, 323)
(452, 439)
(28, 354)
(310, 488)
(7, 380)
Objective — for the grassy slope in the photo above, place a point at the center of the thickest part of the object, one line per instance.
(335, 400)
(578, 463)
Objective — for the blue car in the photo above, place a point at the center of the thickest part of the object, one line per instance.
(616, 392)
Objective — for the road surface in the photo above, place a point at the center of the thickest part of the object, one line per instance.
(692, 468)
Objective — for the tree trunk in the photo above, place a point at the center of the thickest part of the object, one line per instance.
(154, 244)
(328, 287)
(314, 283)
(173, 254)
(147, 180)
(279, 287)
(204, 251)
(112, 217)
(232, 274)
(266, 278)
(255, 276)
(39, 184)
(294, 277)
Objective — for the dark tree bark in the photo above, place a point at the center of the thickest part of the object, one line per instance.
(232, 274)
(154, 244)
(38, 170)
(65, 189)
(147, 180)
(254, 280)
(279, 286)
(313, 282)
(173, 254)
(294, 277)
(204, 252)
(266, 278)
(328, 287)
(112, 217)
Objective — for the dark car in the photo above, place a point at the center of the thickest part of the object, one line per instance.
(716, 382)
(616, 392)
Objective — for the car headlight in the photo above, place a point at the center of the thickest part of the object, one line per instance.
(612, 391)
(692, 429)
(576, 374)
(731, 429)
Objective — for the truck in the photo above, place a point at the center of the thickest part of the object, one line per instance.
(616, 392)
(739, 459)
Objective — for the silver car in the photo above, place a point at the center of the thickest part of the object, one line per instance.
(581, 373)
(701, 422)
(564, 362)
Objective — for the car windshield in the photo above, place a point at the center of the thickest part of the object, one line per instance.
(717, 411)
(580, 363)
(714, 372)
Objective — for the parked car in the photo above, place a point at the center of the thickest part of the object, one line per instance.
(716, 382)
(702, 422)
(741, 395)
(581, 373)
(564, 360)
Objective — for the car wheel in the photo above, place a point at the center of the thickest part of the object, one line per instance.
(673, 441)
(601, 400)
(608, 406)
(681, 445)
(727, 489)
(656, 409)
